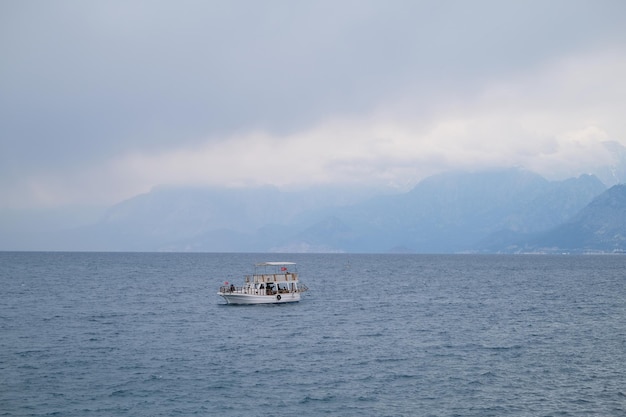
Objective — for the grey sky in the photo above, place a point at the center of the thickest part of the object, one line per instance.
(103, 100)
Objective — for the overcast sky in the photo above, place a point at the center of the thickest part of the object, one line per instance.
(102, 100)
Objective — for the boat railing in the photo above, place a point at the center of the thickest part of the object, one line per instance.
(236, 290)
(231, 289)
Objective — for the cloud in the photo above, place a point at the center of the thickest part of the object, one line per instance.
(103, 100)
(553, 121)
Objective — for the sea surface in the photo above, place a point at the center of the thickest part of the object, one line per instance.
(145, 334)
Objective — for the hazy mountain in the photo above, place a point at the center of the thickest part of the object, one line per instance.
(614, 172)
(452, 212)
(455, 211)
(601, 226)
(204, 219)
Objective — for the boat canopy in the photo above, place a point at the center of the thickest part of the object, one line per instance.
(275, 263)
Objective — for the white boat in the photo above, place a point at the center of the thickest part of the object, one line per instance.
(271, 283)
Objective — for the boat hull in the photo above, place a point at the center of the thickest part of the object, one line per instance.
(235, 298)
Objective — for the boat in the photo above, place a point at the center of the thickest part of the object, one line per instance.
(271, 283)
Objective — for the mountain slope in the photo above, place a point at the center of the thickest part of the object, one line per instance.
(204, 219)
(601, 226)
(452, 211)
(446, 213)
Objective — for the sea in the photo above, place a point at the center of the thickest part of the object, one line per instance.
(145, 334)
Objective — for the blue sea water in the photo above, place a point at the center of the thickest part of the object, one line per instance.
(145, 334)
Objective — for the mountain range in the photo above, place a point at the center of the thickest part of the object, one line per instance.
(453, 212)
(503, 211)
(599, 227)
(495, 211)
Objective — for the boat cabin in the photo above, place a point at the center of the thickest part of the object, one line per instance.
(271, 278)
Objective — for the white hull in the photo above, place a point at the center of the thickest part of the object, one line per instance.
(238, 298)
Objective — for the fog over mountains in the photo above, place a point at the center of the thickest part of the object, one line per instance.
(494, 211)
(506, 211)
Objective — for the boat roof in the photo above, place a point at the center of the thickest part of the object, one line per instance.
(275, 263)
